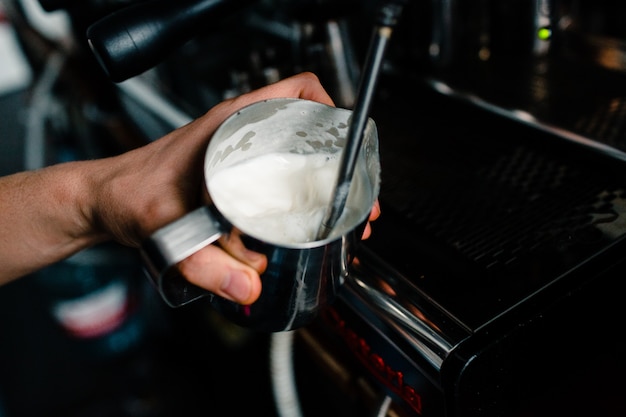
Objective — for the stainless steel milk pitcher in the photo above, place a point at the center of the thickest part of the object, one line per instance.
(302, 276)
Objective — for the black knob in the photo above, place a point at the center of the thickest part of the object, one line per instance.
(136, 38)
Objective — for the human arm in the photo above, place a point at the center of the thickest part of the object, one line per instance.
(49, 214)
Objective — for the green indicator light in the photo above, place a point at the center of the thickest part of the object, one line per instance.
(544, 33)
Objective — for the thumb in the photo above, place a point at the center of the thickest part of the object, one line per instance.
(214, 270)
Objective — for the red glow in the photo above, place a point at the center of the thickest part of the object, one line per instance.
(375, 363)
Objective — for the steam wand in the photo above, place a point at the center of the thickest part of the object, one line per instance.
(386, 21)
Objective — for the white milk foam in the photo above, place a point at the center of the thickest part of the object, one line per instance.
(278, 197)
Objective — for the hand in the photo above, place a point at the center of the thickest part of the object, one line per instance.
(54, 212)
(160, 182)
(374, 214)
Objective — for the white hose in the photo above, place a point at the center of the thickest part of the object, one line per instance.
(384, 407)
(282, 374)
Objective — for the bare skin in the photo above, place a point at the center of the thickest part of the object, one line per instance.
(54, 212)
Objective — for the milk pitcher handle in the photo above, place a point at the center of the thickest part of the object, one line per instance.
(173, 243)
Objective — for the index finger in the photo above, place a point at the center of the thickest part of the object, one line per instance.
(305, 85)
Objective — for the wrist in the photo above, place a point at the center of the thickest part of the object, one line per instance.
(74, 188)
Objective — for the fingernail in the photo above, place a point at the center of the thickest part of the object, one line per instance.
(237, 286)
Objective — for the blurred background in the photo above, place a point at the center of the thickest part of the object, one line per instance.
(490, 285)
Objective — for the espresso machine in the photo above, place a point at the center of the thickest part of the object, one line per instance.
(490, 284)
(488, 287)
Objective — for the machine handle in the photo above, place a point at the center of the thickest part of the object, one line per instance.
(138, 37)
